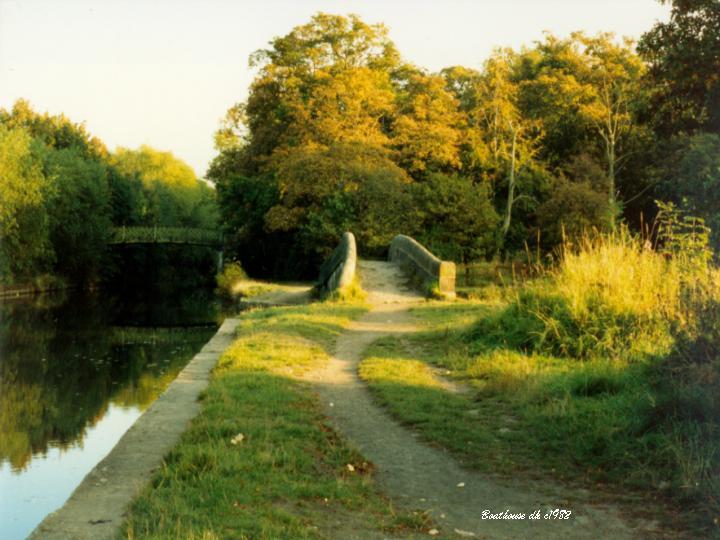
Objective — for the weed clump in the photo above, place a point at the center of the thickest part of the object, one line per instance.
(350, 294)
(611, 296)
(227, 280)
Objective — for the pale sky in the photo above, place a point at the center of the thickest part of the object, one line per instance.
(163, 72)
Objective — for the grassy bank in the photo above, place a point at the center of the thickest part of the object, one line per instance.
(603, 372)
(260, 461)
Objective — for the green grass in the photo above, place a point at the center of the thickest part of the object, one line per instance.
(588, 423)
(350, 294)
(289, 476)
(602, 371)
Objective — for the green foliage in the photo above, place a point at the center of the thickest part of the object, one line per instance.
(455, 217)
(572, 209)
(171, 195)
(232, 273)
(686, 239)
(24, 224)
(335, 87)
(62, 193)
(243, 203)
(684, 61)
(79, 211)
(691, 178)
(56, 132)
(427, 129)
(287, 223)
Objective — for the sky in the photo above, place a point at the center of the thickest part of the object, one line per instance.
(163, 73)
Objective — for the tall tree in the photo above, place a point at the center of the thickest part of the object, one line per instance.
(684, 59)
(79, 209)
(505, 138)
(613, 75)
(326, 81)
(55, 131)
(172, 194)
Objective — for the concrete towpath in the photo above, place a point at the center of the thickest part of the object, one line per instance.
(96, 509)
(417, 476)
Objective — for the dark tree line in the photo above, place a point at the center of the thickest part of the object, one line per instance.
(62, 192)
(338, 132)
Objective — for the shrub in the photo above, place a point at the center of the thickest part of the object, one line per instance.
(228, 279)
(612, 295)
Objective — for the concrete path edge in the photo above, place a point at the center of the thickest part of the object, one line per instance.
(96, 509)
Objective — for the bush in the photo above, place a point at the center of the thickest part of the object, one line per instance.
(609, 297)
(228, 279)
(455, 217)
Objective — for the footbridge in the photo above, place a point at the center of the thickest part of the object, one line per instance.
(423, 270)
(187, 236)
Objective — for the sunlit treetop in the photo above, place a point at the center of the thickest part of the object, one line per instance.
(154, 166)
(329, 41)
(56, 131)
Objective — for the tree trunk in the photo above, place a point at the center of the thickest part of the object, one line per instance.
(511, 188)
(612, 202)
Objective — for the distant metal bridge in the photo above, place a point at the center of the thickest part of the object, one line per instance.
(166, 235)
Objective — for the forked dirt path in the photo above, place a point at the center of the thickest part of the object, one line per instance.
(417, 476)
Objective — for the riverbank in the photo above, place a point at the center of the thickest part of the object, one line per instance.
(77, 368)
(95, 510)
(260, 460)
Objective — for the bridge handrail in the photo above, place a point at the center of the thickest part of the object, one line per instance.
(130, 235)
(338, 270)
(417, 260)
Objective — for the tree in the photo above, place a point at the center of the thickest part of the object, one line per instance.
(323, 192)
(684, 67)
(172, 196)
(455, 218)
(613, 76)
(550, 91)
(427, 129)
(24, 242)
(573, 208)
(586, 91)
(79, 210)
(690, 177)
(57, 132)
(326, 81)
(506, 139)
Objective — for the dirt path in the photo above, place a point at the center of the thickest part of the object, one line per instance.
(420, 477)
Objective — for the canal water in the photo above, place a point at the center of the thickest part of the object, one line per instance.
(76, 370)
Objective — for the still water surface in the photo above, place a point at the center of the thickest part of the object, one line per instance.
(75, 372)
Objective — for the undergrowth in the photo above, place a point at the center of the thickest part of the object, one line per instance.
(605, 369)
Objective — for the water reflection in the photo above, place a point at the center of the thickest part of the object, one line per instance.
(69, 364)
